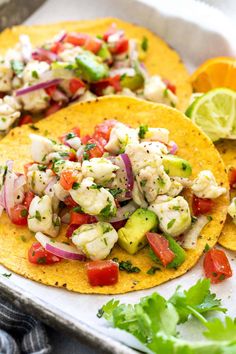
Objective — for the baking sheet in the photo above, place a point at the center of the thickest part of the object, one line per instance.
(196, 38)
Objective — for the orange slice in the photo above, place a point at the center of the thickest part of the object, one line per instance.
(213, 73)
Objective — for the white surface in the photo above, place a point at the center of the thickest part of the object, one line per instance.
(197, 32)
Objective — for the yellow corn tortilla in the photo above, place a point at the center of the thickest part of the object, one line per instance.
(227, 149)
(193, 145)
(160, 58)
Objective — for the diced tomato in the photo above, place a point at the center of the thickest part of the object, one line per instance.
(71, 229)
(75, 84)
(26, 119)
(110, 31)
(104, 129)
(69, 201)
(119, 224)
(80, 218)
(67, 179)
(93, 44)
(160, 246)
(76, 38)
(232, 177)
(72, 156)
(26, 167)
(99, 86)
(170, 86)
(75, 131)
(38, 255)
(29, 196)
(102, 273)
(201, 205)
(50, 90)
(216, 266)
(57, 47)
(121, 46)
(19, 215)
(96, 151)
(85, 139)
(54, 107)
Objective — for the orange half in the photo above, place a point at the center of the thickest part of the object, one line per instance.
(213, 73)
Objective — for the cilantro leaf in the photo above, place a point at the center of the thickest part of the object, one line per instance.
(153, 321)
(107, 309)
(221, 331)
(197, 298)
(143, 129)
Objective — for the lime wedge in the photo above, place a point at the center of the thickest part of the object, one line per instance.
(215, 113)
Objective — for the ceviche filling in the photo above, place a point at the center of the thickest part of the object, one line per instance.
(120, 184)
(74, 67)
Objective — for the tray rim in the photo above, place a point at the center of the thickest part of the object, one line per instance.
(80, 330)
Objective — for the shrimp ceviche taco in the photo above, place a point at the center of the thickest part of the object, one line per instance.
(109, 207)
(44, 68)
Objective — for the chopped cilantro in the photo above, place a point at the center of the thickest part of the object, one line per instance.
(107, 211)
(144, 44)
(24, 213)
(34, 74)
(38, 216)
(89, 147)
(76, 185)
(115, 191)
(209, 217)
(143, 183)
(17, 66)
(165, 93)
(127, 266)
(33, 127)
(42, 167)
(143, 129)
(41, 260)
(153, 270)
(171, 223)
(207, 248)
(77, 209)
(7, 275)
(70, 135)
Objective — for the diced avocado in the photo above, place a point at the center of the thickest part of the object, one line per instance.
(104, 53)
(179, 252)
(132, 237)
(90, 67)
(132, 82)
(176, 167)
(62, 70)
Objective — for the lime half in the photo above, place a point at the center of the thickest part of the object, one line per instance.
(215, 113)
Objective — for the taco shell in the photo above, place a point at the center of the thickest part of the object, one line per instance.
(227, 149)
(160, 58)
(193, 145)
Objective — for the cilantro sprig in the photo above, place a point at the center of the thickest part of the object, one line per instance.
(154, 321)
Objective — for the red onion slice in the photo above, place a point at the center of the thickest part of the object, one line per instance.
(172, 147)
(60, 36)
(59, 96)
(46, 54)
(19, 182)
(124, 212)
(48, 190)
(124, 176)
(65, 218)
(129, 174)
(39, 86)
(1, 210)
(60, 249)
(9, 188)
